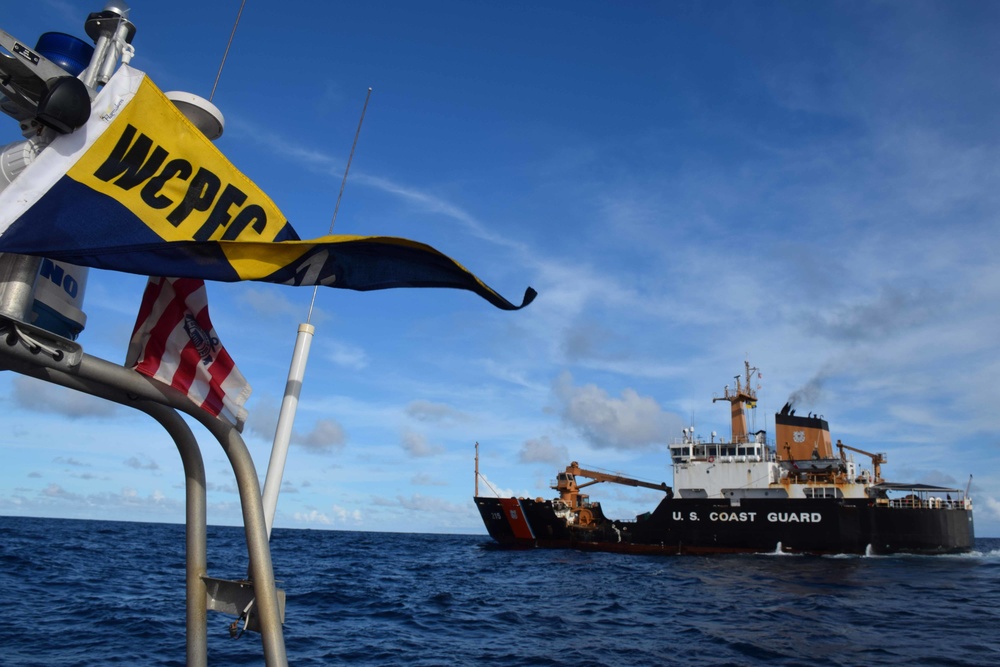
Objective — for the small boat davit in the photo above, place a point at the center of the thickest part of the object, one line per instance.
(795, 494)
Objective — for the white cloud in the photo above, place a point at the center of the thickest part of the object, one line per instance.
(426, 411)
(628, 422)
(990, 507)
(422, 503)
(542, 450)
(346, 355)
(488, 489)
(326, 436)
(262, 419)
(270, 302)
(40, 396)
(313, 516)
(56, 491)
(346, 516)
(416, 445)
(70, 461)
(141, 463)
(281, 144)
(55, 498)
(423, 479)
(433, 203)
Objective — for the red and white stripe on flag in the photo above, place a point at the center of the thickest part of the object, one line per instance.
(174, 342)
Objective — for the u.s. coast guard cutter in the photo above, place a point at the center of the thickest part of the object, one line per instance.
(799, 492)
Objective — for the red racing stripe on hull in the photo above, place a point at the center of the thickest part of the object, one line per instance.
(515, 517)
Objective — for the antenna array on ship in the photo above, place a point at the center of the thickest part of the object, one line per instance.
(48, 89)
(740, 397)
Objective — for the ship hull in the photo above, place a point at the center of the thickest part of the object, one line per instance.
(679, 526)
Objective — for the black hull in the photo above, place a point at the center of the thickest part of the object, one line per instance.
(678, 526)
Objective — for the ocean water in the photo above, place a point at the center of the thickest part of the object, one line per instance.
(112, 593)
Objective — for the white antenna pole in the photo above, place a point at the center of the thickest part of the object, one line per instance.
(286, 419)
(296, 374)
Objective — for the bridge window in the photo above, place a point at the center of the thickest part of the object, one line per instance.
(823, 492)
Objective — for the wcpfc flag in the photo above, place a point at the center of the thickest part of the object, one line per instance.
(174, 342)
(140, 189)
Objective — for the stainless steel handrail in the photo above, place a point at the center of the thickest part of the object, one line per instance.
(92, 373)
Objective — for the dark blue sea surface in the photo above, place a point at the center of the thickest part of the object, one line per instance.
(103, 593)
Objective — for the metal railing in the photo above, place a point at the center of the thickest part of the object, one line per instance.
(933, 503)
(38, 353)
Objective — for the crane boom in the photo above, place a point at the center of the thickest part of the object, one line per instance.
(877, 459)
(597, 477)
(579, 503)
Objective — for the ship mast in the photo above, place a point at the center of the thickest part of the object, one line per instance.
(743, 394)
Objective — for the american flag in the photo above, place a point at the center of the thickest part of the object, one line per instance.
(174, 342)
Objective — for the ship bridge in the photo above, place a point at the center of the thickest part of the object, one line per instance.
(706, 469)
(689, 449)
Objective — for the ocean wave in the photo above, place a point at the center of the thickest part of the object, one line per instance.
(377, 599)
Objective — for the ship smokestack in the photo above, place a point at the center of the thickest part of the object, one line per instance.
(802, 438)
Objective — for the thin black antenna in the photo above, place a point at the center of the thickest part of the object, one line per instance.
(226, 54)
(349, 159)
(343, 183)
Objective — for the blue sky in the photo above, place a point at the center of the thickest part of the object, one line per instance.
(812, 186)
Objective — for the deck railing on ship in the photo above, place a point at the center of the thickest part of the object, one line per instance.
(928, 503)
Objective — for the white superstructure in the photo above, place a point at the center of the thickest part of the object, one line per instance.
(800, 463)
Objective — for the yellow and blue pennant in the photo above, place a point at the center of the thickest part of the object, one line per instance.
(139, 189)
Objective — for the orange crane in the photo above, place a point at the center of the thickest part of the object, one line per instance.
(579, 503)
(877, 459)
